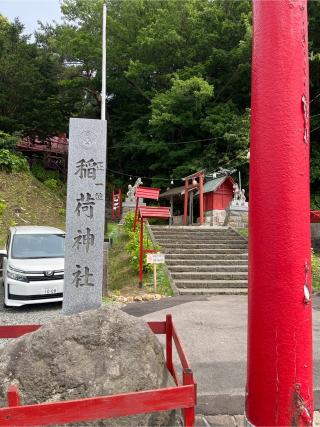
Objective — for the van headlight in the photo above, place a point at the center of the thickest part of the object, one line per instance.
(17, 276)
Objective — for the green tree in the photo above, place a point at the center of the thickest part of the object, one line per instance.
(177, 71)
(28, 85)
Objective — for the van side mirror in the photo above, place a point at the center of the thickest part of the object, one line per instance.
(3, 253)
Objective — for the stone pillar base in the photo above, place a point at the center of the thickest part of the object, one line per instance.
(237, 216)
(214, 217)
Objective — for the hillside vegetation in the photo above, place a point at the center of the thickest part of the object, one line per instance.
(179, 84)
(26, 201)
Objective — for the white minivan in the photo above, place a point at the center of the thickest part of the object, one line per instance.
(33, 265)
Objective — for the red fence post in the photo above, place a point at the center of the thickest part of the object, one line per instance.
(13, 396)
(185, 207)
(201, 198)
(169, 343)
(136, 214)
(279, 375)
(189, 413)
(141, 253)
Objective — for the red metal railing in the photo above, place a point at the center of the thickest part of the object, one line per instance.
(183, 396)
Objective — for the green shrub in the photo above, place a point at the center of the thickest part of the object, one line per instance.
(128, 222)
(113, 231)
(163, 282)
(42, 174)
(62, 212)
(133, 246)
(3, 207)
(8, 141)
(52, 183)
(315, 260)
(49, 178)
(12, 162)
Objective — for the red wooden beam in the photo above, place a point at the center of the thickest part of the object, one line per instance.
(147, 193)
(15, 331)
(183, 358)
(96, 408)
(154, 212)
(279, 373)
(157, 327)
(169, 342)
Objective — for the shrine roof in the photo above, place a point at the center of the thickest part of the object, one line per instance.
(215, 183)
(177, 191)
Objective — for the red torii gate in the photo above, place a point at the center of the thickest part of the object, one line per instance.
(144, 213)
(198, 175)
(144, 193)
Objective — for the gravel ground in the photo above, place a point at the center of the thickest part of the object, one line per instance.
(29, 314)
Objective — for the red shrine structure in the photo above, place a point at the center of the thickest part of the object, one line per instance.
(218, 193)
(205, 199)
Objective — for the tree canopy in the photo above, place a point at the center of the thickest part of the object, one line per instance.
(178, 82)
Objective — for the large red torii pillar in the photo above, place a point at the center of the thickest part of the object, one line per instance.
(279, 379)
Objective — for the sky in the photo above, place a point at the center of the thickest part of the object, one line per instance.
(31, 11)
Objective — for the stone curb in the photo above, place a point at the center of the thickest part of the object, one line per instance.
(233, 404)
(233, 420)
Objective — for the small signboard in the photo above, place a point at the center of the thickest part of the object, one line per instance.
(156, 258)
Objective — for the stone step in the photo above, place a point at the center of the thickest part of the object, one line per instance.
(188, 228)
(195, 251)
(210, 263)
(206, 257)
(213, 291)
(200, 268)
(189, 284)
(204, 245)
(207, 276)
(182, 239)
(226, 234)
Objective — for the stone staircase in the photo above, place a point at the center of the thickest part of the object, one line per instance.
(204, 260)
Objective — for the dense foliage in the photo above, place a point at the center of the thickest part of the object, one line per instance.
(133, 245)
(178, 81)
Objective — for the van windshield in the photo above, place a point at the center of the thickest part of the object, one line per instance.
(29, 246)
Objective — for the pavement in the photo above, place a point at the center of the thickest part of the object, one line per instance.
(214, 333)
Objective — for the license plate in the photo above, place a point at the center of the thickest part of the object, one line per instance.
(50, 291)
